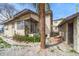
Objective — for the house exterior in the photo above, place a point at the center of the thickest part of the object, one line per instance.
(26, 22)
(55, 25)
(69, 28)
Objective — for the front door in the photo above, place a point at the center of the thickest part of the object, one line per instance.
(70, 34)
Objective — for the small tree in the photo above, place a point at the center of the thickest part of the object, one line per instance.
(76, 7)
(6, 11)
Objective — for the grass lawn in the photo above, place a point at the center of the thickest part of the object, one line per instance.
(4, 44)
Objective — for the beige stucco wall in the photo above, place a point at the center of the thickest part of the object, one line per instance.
(9, 31)
(78, 34)
(66, 32)
(75, 34)
(48, 24)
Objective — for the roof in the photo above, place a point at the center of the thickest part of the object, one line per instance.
(24, 12)
(20, 13)
(58, 19)
(57, 22)
(69, 18)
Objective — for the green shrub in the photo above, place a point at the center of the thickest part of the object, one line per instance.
(35, 38)
(1, 41)
(4, 44)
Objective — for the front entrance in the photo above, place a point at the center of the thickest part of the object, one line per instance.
(70, 34)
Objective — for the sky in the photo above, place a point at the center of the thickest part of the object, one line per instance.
(62, 10)
(59, 10)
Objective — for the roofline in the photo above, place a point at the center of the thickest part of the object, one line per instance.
(69, 18)
(58, 19)
(23, 12)
(20, 13)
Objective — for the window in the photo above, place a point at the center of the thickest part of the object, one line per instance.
(20, 24)
(33, 27)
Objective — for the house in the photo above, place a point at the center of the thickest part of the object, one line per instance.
(70, 30)
(26, 22)
(55, 25)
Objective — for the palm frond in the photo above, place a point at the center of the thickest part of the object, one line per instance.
(76, 7)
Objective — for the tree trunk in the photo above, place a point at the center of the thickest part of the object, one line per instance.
(42, 24)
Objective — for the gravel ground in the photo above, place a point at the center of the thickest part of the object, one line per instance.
(33, 49)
